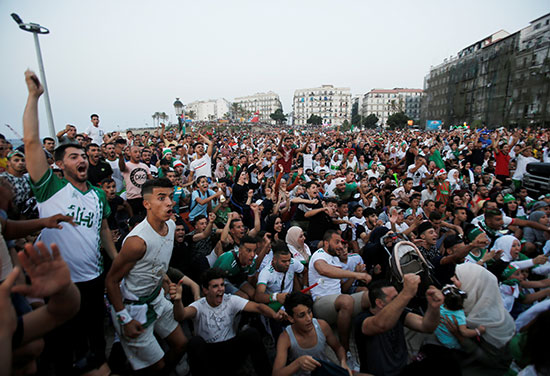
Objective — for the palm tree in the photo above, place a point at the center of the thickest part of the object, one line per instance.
(155, 117)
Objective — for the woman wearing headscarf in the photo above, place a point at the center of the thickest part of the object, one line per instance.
(295, 240)
(484, 306)
(535, 236)
(453, 179)
(511, 248)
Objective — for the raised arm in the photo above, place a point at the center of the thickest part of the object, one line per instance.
(210, 145)
(37, 165)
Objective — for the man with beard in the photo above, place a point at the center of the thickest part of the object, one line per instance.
(146, 155)
(215, 330)
(135, 174)
(112, 158)
(97, 169)
(82, 337)
(330, 304)
(134, 285)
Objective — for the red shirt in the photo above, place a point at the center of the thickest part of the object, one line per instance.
(502, 163)
(286, 160)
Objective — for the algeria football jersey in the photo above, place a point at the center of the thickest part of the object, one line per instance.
(80, 244)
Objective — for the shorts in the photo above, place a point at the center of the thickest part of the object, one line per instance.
(231, 288)
(144, 351)
(323, 307)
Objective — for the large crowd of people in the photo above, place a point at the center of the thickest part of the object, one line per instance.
(232, 252)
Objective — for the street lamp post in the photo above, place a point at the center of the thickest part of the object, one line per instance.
(178, 107)
(36, 29)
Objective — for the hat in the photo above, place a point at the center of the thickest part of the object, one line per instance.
(452, 240)
(509, 198)
(166, 151)
(510, 269)
(340, 181)
(178, 163)
(542, 197)
(424, 226)
(440, 172)
(539, 205)
(397, 209)
(16, 152)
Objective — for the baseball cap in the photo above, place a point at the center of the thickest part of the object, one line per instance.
(16, 152)
(178, 163)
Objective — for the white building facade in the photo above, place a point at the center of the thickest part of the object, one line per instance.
(263, 103)
(384, 102)
(332, 104)
(209, 110)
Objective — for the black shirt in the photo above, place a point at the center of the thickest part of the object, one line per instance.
(99, 172)
(384, 353)
(443, 272)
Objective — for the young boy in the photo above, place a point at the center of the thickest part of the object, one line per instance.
(305, 340)
(116, 203)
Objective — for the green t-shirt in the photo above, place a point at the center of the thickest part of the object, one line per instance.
(229, 264)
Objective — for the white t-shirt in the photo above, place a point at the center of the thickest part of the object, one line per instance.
(400, 228)
(135, 176)
(117, 175)
(274, 279)
(322, 168)
(202, 166)
(521, 167)
(353, 260)
(327, 286)
(215, 324)
(418, 175)
(96, 134)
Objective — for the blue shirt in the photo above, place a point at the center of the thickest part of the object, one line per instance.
(443, 334)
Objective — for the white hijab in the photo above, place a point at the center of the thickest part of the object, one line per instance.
(484, 304)
(505, 243)
(451, 178)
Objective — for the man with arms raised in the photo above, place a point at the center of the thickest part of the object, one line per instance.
(379, 332)
(217, 349)
(79, 244)
(202, 165)
(134, 286)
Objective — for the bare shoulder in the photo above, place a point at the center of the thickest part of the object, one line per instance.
(133, 248)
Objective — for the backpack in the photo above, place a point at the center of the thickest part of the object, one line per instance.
(406, 258)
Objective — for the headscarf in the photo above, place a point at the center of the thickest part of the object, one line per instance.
(299, 252)
(535, 216)
(505, 243)
(451, 179)
(484, 305)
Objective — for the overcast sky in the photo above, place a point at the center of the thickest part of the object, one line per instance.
(126, 60)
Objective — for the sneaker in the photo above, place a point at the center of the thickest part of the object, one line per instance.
(353, 364)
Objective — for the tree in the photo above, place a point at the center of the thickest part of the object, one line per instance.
(397, 120)
(315, 120)
(356, 119)
(346, 126)
(370, 121)
(278, 116)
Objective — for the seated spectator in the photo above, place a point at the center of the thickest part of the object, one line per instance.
(301, 347)
(215, 330)
(379, 331)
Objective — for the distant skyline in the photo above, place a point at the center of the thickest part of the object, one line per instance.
(126, 60)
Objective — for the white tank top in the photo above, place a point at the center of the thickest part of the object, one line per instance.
(147, 273)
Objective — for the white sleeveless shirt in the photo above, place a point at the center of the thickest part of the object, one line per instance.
(147, 273)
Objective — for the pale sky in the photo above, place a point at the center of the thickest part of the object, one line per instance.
(126, 60)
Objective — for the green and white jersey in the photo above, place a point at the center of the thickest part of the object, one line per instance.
(80, 244)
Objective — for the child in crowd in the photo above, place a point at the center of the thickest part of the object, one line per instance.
(453, 308)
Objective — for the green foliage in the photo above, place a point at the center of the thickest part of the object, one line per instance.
(397, 120)
(315, 120)
(356, 119)
(346, 126)
(370, 121)
(278, 116)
